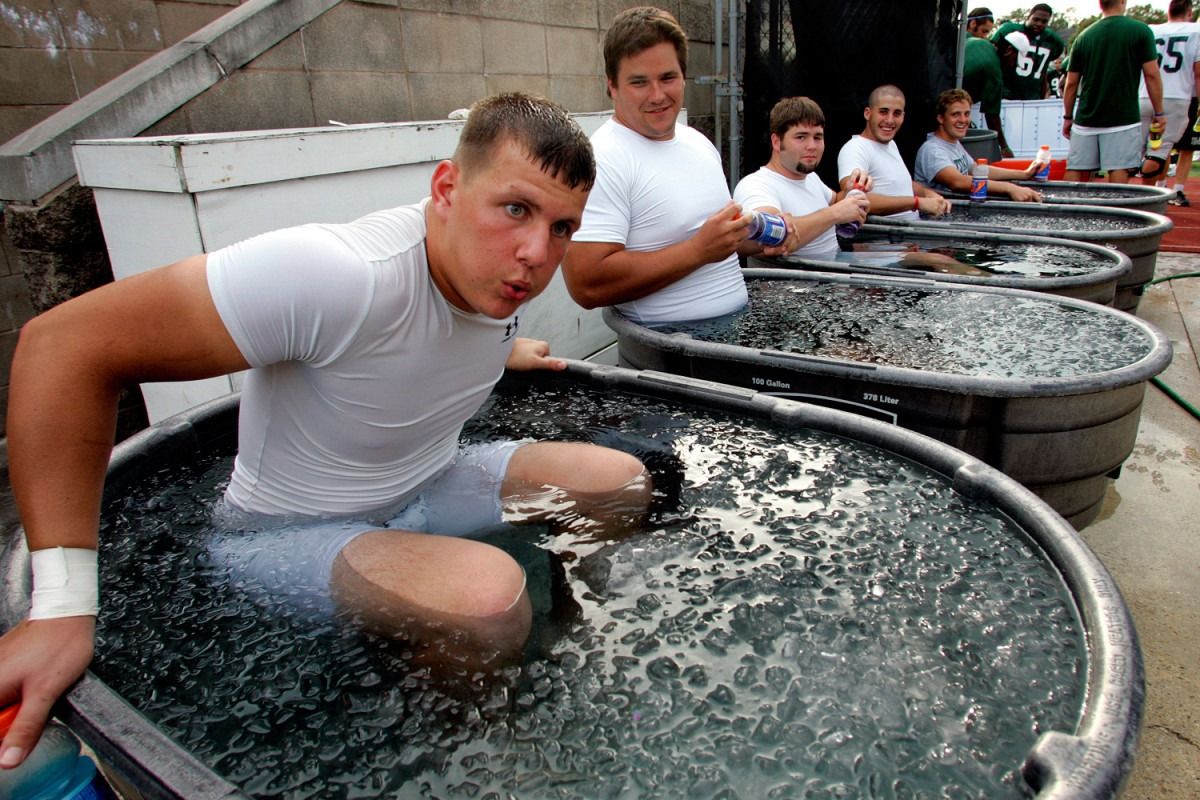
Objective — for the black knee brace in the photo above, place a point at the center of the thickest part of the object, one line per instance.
(1159, 164)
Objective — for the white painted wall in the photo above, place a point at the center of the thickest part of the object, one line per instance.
(161, 199)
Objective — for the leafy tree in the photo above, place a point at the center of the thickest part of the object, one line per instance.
(1146, 13)
(1082, 25)
(1068, 28)
(1143, 11)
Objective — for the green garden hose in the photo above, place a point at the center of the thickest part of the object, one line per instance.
(1173, 277)
(1161, 384)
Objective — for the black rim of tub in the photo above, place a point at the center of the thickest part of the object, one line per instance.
(1143, 369)
(1093, 761)
(1057, 284)
(1154, 226)
(1119, 195)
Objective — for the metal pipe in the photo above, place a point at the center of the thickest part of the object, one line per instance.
(735, 97)
(962, 45)
(719, 26)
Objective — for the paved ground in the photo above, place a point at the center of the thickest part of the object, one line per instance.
(1148, 536)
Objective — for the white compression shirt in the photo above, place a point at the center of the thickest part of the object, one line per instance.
(652, 194)
(363, 373)
(883, 163)
(766, 188)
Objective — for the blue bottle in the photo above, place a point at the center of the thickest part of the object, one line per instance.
(53, 770)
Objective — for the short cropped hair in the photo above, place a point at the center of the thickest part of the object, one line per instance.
(1178, 8)
(950, 97)
(792, 111)
(880, 92)
(544, 129)
(1042, 7)
(638, 29)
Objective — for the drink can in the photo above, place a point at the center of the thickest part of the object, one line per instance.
(768, 229)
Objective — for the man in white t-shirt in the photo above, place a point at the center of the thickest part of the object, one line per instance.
(873, 151)
(944, 164)
(788, 184)
(1178, 43)
(369, 344)
(661, 235)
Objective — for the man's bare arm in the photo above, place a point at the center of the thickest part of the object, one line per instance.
(1069, 92)
(68, 369)
(1005, 174)
(605, 273)
(809, 226)
(923, 199)
(950, 177)
(1153, 85)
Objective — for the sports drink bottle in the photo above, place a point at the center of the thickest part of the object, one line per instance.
(848, 230)
(979, 180)
(54, 768)
(1043, 161)
(1157, 125)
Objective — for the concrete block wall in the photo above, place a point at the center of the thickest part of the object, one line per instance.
(53, 52)
(405, 60)
(48, 255)
(15, 310)
(360, 61)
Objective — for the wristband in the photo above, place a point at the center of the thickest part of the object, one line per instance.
(916, 203)
(65, 583)
(1066, 118)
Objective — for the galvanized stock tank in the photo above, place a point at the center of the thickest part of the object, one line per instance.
(1046, 389)
(1135, 233)
(817, 602)
(1120, 195)
(1071, 269)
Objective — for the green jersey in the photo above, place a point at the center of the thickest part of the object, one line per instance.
(1108, 56)
(982, 76)
(1026, 79)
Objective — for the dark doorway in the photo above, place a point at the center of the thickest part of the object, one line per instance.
(836, 52)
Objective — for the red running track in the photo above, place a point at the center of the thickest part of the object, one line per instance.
(1185, 236)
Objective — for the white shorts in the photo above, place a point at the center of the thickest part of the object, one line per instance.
(1106, 150)
(295, 557)
(1178, 118)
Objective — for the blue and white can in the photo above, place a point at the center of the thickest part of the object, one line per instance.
(768, 229)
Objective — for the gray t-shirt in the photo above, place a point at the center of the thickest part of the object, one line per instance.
(937, 154)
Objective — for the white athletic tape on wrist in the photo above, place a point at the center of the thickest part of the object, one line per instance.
(65, 583)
